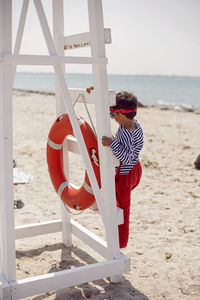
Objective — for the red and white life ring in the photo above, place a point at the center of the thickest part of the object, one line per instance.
(83, 197)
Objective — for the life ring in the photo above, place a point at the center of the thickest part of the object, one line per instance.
(82, 197)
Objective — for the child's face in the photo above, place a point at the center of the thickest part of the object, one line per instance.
(118, 117)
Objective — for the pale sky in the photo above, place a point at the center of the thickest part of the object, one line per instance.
(148, 36)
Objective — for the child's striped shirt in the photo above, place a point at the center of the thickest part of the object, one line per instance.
(126, 147)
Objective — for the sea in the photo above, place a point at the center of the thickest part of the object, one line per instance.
(173, 91)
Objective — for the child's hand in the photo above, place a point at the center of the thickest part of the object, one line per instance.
(106, 141)
(89, 89)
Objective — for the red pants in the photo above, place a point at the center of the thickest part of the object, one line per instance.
(124, 185)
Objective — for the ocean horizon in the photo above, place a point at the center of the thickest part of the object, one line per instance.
(174, 91)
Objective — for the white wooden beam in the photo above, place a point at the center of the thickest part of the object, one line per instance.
(103, 128)
(62, 279)
(49, 59)
(90, 239)
(21, 25)
(58, 34)
(5, 291)
(82, 40)
(90, 98)
(7, 234)
(20, 32)
(35, 229)
(72, 145)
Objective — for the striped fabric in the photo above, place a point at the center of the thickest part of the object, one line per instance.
(126, 147)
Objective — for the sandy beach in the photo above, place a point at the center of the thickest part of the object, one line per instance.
(164, 243)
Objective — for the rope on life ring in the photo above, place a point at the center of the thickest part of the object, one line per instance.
(81, 198)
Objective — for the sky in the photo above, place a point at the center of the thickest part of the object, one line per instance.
(148, 36)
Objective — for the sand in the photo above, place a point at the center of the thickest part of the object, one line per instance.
(164, 244)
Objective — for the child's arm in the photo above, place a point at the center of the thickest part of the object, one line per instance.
(126, 156)
(118, 150)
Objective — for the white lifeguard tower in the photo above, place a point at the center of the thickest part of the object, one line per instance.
(116, 263)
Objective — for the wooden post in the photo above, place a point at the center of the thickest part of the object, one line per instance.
(20, 32)
(103, 128)
(7, 233)
(58, 34)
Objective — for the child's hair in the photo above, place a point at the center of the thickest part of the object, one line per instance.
(126, 100)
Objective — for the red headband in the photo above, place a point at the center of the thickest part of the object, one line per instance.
(123, 111)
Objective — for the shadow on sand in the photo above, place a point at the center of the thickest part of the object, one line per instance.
(97, 290)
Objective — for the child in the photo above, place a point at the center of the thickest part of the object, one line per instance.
(126, 147)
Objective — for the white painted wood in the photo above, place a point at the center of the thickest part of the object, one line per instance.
(103, 128)
(7, 234)
(90, 98)
(66, 217)
(21, 25)
(5, 291)
(35, 229)
(62, 279)
(49, 59)
(82, 40)
(20, 32)
(72, 145)
(90, 239)
(58, 34)
(120, 216)
(66, 227)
